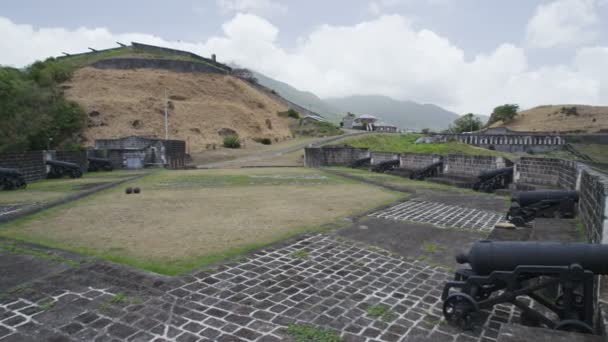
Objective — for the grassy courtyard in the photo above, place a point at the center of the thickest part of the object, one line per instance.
(184, 219)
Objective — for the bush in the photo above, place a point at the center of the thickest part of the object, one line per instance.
(232, 141)
(290, 113)
(263, 141)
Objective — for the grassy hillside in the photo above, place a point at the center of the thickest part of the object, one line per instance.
(560, 118)
(405, 143)
(305, 99)
(202, 106)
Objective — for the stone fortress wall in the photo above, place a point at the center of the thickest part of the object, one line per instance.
(531, 172)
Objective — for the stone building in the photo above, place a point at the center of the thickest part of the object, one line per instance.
(367, 121)
(385, 127)
(136, 152)
(348, 121)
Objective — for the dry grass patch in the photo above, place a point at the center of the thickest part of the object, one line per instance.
(170, 229)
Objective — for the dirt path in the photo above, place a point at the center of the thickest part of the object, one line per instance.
(261, 156)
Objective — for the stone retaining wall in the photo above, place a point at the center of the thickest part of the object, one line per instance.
(30, 163)
(593, 204)
(551, 172)
(333, 156)
(415, 161)
(467, 165)
(151, 63)
(379, 157)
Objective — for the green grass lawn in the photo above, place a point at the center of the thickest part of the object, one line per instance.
(188, 218)
(51, 189)
(383, 142)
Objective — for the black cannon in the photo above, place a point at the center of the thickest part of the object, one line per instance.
(432, 170)
(506, 271)
(386, 166)
(491, 180)
(62, 168)
(527, 205)
(96, 164)
(11, 179)
(360, 162)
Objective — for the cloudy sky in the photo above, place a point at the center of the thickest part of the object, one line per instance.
(464, 55)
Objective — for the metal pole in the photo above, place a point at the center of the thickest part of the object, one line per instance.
(166, 115)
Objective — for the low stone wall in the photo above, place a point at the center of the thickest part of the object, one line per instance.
(415, 161)
(379, 157)
(333, 156)
(467, 165)
(593, 204)
(550, 172)
(151, 63)
(30, 163)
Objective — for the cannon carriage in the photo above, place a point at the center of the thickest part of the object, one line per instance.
(62, 168)
(503, 272)
(432, 170)
(11, 179)
(96, 164)
(491, 180)
(528, 205)
(386, 166)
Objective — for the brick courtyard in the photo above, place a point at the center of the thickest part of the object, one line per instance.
(331, 284)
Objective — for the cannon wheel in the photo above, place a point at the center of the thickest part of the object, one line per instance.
(518, 221)
(75, 174)
(579, 301)
(573, 325)
(459, 309)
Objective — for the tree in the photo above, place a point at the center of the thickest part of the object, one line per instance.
(466, 123)
(504, 113)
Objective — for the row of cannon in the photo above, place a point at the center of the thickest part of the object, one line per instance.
(559, 277)
(11, 178)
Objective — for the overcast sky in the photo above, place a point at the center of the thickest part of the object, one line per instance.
(464, 55)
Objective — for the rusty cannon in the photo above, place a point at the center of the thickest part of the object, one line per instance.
(96, 164)
(505, 272)
(11, 179)
(491, 180)
(528, 205)
(63, 168)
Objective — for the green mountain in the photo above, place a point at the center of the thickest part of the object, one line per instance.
(305, 99)
(404, 114)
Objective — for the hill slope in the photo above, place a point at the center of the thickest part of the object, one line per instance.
(130, 102)
(305, 99)
(405, 114)
(560, 118)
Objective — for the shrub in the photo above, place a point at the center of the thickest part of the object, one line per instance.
(232, 141)
(290, 113)
(263, 141)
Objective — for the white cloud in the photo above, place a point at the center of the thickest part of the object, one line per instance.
(563, 23)
(265, 8)
(385, 56)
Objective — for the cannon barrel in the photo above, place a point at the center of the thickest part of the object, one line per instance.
(483, 175)
(485, 257)
(99, 160)
(10, 172)
(526, 198)
(63, 164)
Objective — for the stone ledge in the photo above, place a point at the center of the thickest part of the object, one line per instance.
(520, 333)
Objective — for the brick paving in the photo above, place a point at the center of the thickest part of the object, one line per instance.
(330, 284)
(442, 215)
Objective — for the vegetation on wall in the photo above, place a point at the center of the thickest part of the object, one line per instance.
(34, 114)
